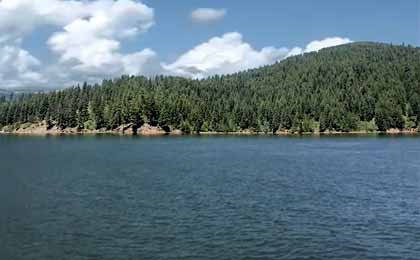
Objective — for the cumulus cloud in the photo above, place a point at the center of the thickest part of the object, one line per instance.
(92, 44)
(88, 44)
(223, 55)
(230, 54)
(19, 68)
(207, 15)
(19, 17)
(89, 33)
(325, 43)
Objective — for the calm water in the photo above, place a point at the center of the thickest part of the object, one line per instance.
(209, 198)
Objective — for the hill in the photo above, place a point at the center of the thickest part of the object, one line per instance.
(354, 87)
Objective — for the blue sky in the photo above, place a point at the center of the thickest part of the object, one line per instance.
(286, 23)
(56, 43)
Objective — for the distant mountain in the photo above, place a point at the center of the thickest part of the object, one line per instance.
(355, 87)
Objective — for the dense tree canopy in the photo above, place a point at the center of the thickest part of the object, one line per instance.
(359, 86)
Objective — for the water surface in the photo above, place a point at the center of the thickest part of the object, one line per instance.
(111, 197)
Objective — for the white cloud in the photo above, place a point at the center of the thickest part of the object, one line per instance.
(295, 51)
(325, 43)
(230, 54)
(92, 44)
(18, 68)
(222, 55)
(19, 17)
(88, 41)
(207, 15)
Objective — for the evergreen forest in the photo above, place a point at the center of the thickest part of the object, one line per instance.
(354, 87)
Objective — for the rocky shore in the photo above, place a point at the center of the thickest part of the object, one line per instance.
(43, 129)
(148, 130)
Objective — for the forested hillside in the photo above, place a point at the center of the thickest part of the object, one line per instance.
(358, 86)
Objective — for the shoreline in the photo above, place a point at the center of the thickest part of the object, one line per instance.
(110, 133)
(72, 132)
(41, 129)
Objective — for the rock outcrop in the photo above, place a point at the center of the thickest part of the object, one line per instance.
(149, 130)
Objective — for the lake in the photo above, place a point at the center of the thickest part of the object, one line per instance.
(221, 197)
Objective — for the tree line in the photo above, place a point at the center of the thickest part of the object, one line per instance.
(358, 86)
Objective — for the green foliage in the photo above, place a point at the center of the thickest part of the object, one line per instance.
(388, 115)
(309, 125)
(359, 86)
(367, 126)
(410, 122)
(89, 125)
(263, 127)
(186, 127)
